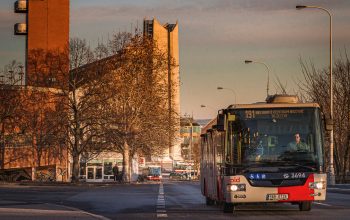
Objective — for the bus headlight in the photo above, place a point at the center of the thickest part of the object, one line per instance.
(317, 185)
(236, 187)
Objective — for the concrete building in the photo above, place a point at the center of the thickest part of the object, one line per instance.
(48, 24)
(167, 39)
(190, 141)
(29, 148)
(47, 30)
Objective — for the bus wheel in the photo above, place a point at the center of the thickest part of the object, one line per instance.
(228, 207)
(305, 206)
(209, 201)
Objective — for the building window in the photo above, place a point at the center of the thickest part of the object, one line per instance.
(108, 166)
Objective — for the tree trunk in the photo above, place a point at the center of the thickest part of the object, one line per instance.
(345, 164)
(336, 159)
(75, 171)
(126, 163)
(38, 154)
(2, 146)
(34, 173)
(2, 154)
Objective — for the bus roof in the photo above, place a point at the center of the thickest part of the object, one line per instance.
(208, 126)
(274, 105)
(262, 105)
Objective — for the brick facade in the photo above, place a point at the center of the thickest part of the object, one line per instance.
(47, 40)
(48, 32)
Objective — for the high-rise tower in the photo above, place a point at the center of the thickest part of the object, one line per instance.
(167, 40)
(47, 30)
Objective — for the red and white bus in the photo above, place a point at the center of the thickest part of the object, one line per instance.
(154, 173)
(250, 155)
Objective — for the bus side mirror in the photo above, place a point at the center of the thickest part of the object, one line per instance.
(220, 122)
(328, 123)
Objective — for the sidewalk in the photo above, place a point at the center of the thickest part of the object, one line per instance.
(79, 184)
(17, 210)
(30, 183)
(339, 188)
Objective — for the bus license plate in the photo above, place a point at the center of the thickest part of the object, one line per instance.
(276, 197)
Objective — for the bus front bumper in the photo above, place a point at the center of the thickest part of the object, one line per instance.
(239, 190)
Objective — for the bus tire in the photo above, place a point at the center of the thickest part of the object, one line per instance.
(228, 207)
(305, 206)
(209, 201)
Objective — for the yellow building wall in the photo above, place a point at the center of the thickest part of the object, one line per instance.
(168, 42)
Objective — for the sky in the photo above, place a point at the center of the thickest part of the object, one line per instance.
(215, 37)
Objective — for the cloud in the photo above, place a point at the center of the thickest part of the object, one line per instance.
(204, 6)
(281, 28)
(273, 5)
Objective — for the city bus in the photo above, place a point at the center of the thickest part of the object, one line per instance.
(246, 154)
(154, 173)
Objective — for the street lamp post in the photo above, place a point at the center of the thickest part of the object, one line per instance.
(233, 91)
(21, 74)
(207, 106)
(191, 141)
(268, 74)
(331, 135)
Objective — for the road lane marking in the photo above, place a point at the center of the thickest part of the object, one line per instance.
(161, 211)
(318, 203)
(339, 189)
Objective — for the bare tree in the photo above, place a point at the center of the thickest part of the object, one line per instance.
(39, 125)
(115, 95)
(315, 87)
(87, 94)
(138, 111)
(79, 93)
(10, 103)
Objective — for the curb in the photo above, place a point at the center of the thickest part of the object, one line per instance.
(81, 211)
(84, 184)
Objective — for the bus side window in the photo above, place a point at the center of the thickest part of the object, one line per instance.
(229, 141)
(238, 149)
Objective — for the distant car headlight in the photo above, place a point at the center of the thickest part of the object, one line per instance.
(317, 185)
(236, 187)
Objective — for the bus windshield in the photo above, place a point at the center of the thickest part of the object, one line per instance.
(275, 137)
(155, 171)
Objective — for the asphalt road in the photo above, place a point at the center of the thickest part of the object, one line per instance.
(166, 200)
